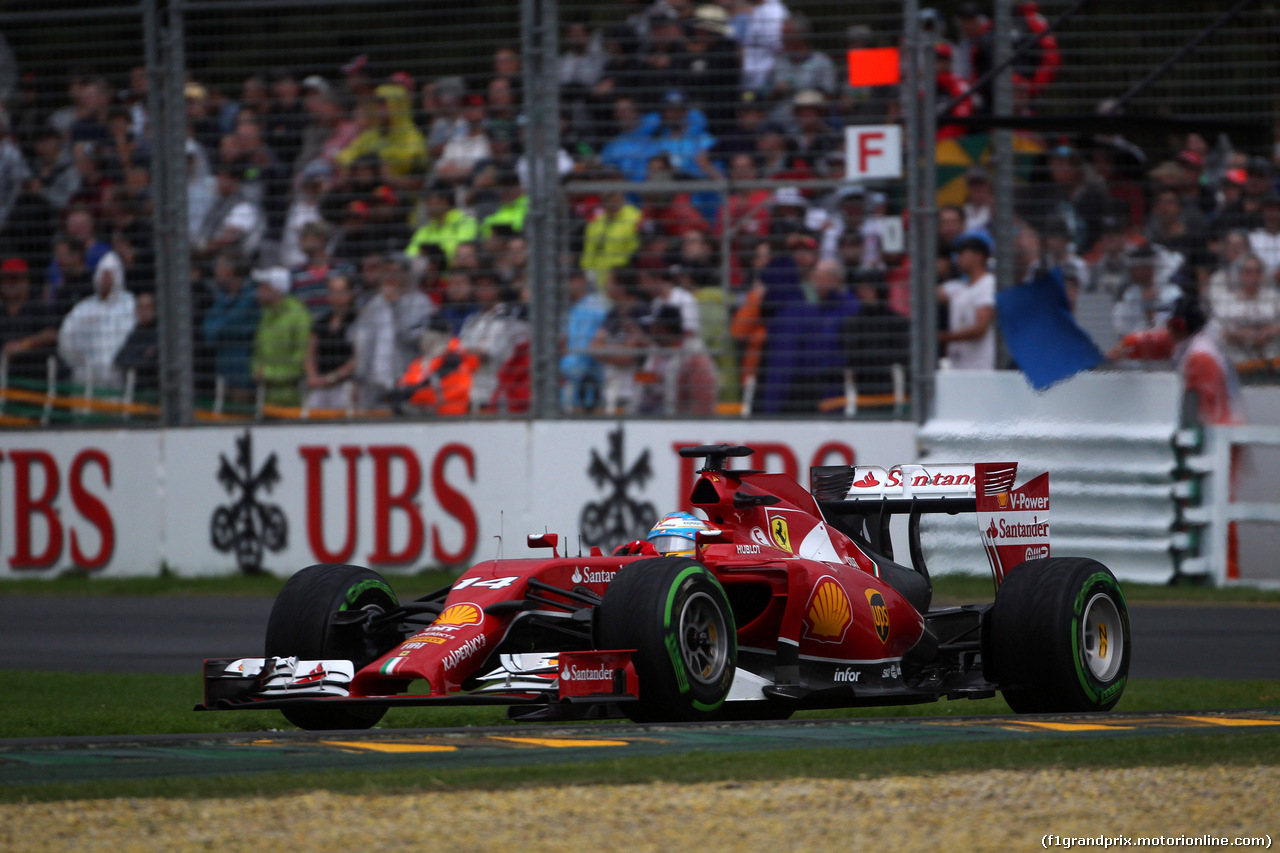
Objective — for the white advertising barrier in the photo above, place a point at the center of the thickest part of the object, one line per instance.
(397, 497)
(86, 500)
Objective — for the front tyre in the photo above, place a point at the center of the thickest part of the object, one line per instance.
(1059, 637)
(301, 625)
(674, 613)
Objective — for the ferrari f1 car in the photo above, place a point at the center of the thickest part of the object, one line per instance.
(792, 599)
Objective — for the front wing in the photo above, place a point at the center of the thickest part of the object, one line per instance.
(584, 677)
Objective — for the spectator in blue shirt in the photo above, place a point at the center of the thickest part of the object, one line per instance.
(582, 375)
(230, 324)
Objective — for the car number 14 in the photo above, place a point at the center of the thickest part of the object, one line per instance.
(490, 583)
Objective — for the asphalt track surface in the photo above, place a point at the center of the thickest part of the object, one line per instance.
(167, 634)
(79, 759)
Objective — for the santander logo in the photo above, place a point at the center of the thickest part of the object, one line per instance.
(867, 481)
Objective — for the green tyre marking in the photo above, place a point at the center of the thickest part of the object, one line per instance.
(675, 587)
(364, 586)
(1085, 682)
(673, 650)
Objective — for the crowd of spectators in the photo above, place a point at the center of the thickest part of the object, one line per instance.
(358, 235)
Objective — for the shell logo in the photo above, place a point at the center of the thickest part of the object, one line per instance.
(829, 612)
(460, 614)
(1003, 499)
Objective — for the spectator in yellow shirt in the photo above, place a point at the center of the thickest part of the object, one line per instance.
(612, 237)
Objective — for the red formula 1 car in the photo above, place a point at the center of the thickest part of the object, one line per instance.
(792, 600)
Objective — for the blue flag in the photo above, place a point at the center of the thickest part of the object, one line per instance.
(1041, 333)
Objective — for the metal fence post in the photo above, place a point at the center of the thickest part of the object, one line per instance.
(1002, 156)
(539, 21)
(166, 74)
(910, 95)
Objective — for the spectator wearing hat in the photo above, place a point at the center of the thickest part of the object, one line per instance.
(741, 136)
(1148, 300)
(684, 379)
(1108, 262)
(266, 178)
(446, 226)
(303, 209)
(979, 199)
(1076, 196)
(1265, 241)
(847, 216)
(813, 135)
(762, 43)
(234, 219)
(281, 339)
(310, 279)
(513, 206)
(1235, 211)
(28, 330)
(684, 139)
(92, 332)
(399, 145)
(710, 68)
(970, 338)
(442, 112)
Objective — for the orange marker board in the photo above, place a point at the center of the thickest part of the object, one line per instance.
(874, 66)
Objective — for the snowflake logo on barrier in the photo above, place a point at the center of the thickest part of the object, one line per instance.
(618, 517)
(247, 525)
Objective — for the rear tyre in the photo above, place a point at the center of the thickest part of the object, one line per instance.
(301, 625)
(674, 613)
(1059, 637)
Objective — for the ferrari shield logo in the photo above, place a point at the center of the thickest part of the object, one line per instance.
(781, 534)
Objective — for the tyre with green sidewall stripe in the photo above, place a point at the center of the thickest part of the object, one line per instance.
(675, 614)
(1059, 639)
(301, 625)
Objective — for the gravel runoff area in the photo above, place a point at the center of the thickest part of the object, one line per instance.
(991, 811)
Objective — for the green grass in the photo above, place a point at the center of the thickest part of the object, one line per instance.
(44, 704)
(1236, 748)
(950, 589)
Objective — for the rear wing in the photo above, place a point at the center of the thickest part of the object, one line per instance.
(1012, 523)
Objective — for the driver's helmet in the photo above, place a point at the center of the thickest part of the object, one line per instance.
(673, 536)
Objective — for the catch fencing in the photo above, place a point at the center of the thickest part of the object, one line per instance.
(542, 208)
